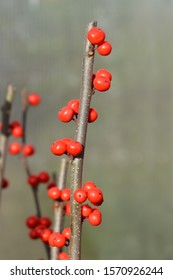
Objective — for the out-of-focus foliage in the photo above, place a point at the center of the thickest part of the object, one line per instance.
(129, 151)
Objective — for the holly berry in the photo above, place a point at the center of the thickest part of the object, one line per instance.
(96, 35)
(17, 131)
(95, 196)
(104, 48)
(33, 234)
(57, 240)
(93, 115)
(104, 73)
(43, 177)
(33, 180)
(51, 185)
(5, 183)
(66, 114)
(34, 99)
(67, 209)
(66, 232)
(54, 193)
(101, 83)
(80, 195)
(66, 140)
(38, 229)
(58, 148)
(45, 221)
(88, 186)
(32, 221)
(45, 234)
(63, 256)
(14, 124)
(65, 194)
(14, 148)
(74, 104)
(95, 219)
(28, 150)
(74, 148)
(86, 210)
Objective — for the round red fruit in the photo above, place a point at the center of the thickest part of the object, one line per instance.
(93, 115)
(14, 148)
(34, 99)
(33, 180)
(14, 124)
(33, 234)
(45, 234)
(66, 114)
(5, 183)
(45, 221)
(96, 35)
(66, 140)
(88, 186)
(66, 232)
(101, 83)
(17, 131)
(57, 240)
(54, 193)
(43, 177)
(86, 210)
(58, 148)
(104, 73)
(94, 219)
(32, 221)
(104, 49)
(80, 195)
(74, 148)
(74, 104)
(65, 194)
(95, 195)
(63, 256)
(28, 150)
(38, 229)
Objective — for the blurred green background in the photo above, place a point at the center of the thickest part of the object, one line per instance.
(129, 152)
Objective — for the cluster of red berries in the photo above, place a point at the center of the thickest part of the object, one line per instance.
(35, 180)
(102, 78)
(66, 146)
(71, 110)
(39, 228)
(55, 193)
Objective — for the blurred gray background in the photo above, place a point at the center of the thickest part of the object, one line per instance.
(129, 152)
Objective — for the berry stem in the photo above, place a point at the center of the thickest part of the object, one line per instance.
(59, 206)
(86, 93)
(6, 111)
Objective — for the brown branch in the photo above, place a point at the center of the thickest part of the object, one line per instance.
(6, 111)
(59, 206)
(81, 132)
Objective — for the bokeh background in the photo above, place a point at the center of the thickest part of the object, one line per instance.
(129, 152)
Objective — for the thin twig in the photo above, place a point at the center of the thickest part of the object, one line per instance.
(59, 205)
(80, 136)
(6, 111)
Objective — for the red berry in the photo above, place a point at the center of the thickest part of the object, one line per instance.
(63, 256)
(33, 180)
(33, 234)
(67, 209)
(95, 195)
(39, 229)
(104, 48)
(74, 148)
(5, 183)
(94, 219)
(52, 184)
(28, 150)
(66, 232)
(80, 195)
(86, 210)
(33, 99)
(88, 186)
(45, 221)
(17, 131)
(54, 193)
(101, 83)
(93, 115)
(43, 177)
(104, 73)
(57, 240)
(14, 148)
(66, 114)
(66, 140)
(97, 211)
(96, 35)
(14, 124)
(58, 148)
(32, 221)
(45, 234)
(65, 194)
(74, 104)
